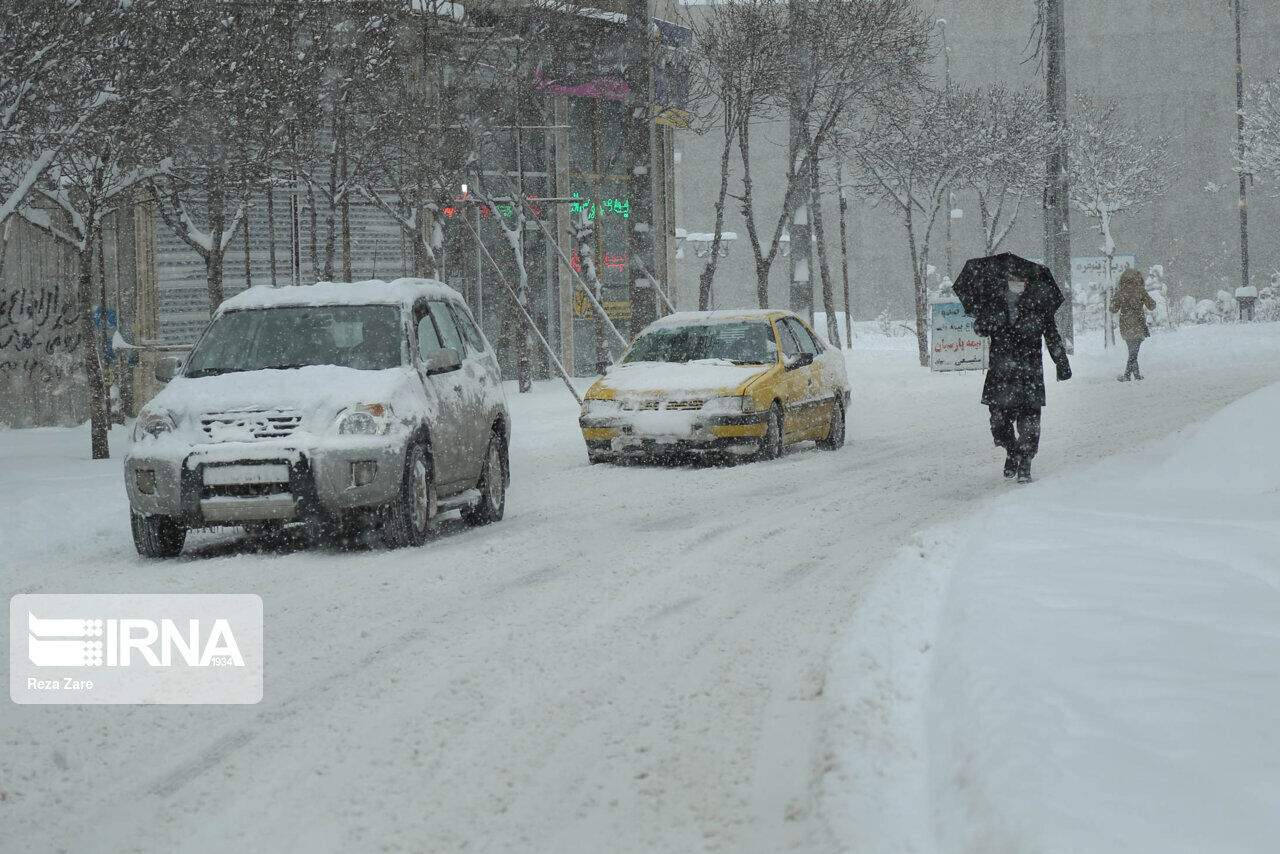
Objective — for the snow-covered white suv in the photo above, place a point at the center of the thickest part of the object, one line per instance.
(373, 403)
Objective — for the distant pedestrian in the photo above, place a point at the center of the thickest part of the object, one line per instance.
(1129, 301)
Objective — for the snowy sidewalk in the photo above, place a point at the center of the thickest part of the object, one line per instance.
(1101, 674)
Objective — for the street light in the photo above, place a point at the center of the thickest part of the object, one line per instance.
(703, 241)
(784, 245)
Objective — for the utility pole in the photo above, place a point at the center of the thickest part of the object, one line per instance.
(1244, 202)
(800, 297)
(951, 202)
(1057, 213)
(637, 144)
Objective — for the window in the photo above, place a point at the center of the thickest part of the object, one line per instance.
(475, 341)
(449, 334)
(742, 343)
(806, 340)
(366, 337)
(790, 346)
(428, 339)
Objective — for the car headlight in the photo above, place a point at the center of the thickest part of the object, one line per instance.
(727, 405)
(152, 423)
(598, 406)
(366, 419)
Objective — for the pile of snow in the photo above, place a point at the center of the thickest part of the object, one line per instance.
(1100, 673)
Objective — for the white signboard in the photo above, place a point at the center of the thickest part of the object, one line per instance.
(954, 345)
(1093, 268)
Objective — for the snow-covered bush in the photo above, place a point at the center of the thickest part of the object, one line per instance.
(1268, 307)
(884, 322)
(1162, 316)
(1206, 311)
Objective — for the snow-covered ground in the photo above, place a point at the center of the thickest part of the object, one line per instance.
(1089, 665)
(676, 659)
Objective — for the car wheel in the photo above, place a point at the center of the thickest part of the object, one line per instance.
(157, 536)
(771, 443)
(493, 486)
(408, 517)
(835, 431)
(596, 459)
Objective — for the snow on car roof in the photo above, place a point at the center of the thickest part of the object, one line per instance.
(729, 315)
(373, 291)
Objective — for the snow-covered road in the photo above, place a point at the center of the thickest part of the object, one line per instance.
(633, 660)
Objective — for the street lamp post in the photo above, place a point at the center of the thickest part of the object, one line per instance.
(1244, 206)
(946, 66)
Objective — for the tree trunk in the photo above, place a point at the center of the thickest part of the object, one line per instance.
(213, 261)
(271, 230)
(346, 211)
(314, 245)
(1057, 220)
(248, 255)
(98, 445)
(585, 238)
(844, 262)
(709, 272)
(828, 291)
(922, 295)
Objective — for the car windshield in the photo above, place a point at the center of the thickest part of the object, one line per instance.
(366, 337)
(746, 343)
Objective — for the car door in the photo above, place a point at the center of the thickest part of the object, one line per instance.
(468, 395)
(444, 390)
(483, 363)
(793, 383)
(821, 388)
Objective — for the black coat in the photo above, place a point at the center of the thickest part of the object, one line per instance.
(1015, 377)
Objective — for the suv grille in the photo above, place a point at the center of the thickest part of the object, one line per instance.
(239, 426)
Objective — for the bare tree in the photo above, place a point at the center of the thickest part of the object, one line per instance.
(215, 142)
(50, 85)
(738, 61)
(93, 166)
(861, 55)
(1010, 138)
(1261, 159)
(911, 158)
(1116, 166)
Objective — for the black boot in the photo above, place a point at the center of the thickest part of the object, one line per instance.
(1024, 469)
(1011, 465)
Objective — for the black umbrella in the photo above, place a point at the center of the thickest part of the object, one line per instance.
(983, 283)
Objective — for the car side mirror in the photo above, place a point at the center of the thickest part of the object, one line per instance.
(799, 360)
(443, 360)
(167, 368)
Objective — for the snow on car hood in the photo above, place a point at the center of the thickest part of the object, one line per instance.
(317, 393)
(703, 377)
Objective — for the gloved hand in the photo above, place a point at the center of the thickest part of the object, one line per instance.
(985, 326)
(1064, 370)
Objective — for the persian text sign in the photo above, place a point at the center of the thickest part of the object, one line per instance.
(954, 344)
(135, 648)
(1093, 268)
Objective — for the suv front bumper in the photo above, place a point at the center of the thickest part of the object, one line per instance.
(235, 482)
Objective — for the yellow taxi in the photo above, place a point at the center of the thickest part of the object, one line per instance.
(742, 382)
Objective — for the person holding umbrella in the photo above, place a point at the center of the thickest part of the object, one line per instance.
(1012, 301)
